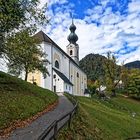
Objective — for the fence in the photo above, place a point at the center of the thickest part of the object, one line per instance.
(52, 131)
(137, 137)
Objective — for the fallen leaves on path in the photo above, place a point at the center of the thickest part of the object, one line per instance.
(22, 123)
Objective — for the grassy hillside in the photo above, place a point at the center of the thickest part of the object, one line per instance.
(20, 100)
(107, 120)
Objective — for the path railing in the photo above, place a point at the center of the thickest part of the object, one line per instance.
(137, 137)
(52, 131)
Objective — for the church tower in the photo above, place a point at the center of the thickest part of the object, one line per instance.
(73, 47)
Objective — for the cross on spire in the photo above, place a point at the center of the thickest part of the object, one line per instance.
(72, 18)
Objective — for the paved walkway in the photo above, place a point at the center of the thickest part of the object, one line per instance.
(33, 130)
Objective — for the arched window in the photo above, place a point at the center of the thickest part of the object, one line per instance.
(57, 64)
(71, 52)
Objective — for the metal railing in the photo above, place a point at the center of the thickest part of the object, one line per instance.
(52, 131)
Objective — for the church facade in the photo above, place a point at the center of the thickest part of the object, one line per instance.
(65, 74)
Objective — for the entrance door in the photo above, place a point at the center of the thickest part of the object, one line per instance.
(54, 88)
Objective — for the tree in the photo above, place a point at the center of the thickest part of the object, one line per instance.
(16, 14)
(112, 73)
(25, 54)
(134, 82)
(91, 87)
(125, 77)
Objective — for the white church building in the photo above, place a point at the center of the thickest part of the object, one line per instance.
(64, 70)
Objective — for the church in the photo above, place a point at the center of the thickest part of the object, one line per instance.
(65, 74)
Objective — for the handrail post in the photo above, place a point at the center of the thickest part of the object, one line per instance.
(69, 121)
(55, 130)
(76, 109)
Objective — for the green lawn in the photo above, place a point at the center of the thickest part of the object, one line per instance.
(20, 100)
(109, 120)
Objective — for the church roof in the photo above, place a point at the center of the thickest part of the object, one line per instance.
(43, 37)
(63, 77)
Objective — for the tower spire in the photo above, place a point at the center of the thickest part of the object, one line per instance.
(72, 18)
(72, 38)
(73, 47)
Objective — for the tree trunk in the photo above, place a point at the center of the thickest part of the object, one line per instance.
(26, 75)
(113, 93)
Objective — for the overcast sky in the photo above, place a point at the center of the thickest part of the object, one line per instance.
(102, 26)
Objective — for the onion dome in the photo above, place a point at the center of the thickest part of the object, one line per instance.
(72, 27)
(72, 38)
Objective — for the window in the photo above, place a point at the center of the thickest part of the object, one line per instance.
(71, 52)
(66, 86)
(57, 64)
(54, 76)
(77, 74)
(71, 77)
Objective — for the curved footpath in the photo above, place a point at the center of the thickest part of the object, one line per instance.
(33, 130)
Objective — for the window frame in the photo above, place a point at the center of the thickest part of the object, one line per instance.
(56, 64)
(71, 52)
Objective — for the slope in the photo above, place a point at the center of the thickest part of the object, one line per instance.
(107, 120)
(92, 65)
(20, 100)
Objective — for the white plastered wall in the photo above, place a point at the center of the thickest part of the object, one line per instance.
(63, 62)
(68, 88)
(58, 82)
(80, 83)
(47, 82)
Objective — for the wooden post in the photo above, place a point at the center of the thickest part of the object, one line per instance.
(55, 130)
(76, 109)
(69, 121)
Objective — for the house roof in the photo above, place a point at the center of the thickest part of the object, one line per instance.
(63, 77)
(43, 37)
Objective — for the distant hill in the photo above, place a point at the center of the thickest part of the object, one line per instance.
(92, 65)
(134, 64)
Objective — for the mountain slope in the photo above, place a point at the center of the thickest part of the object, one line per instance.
(134, 64)
(92, 65)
